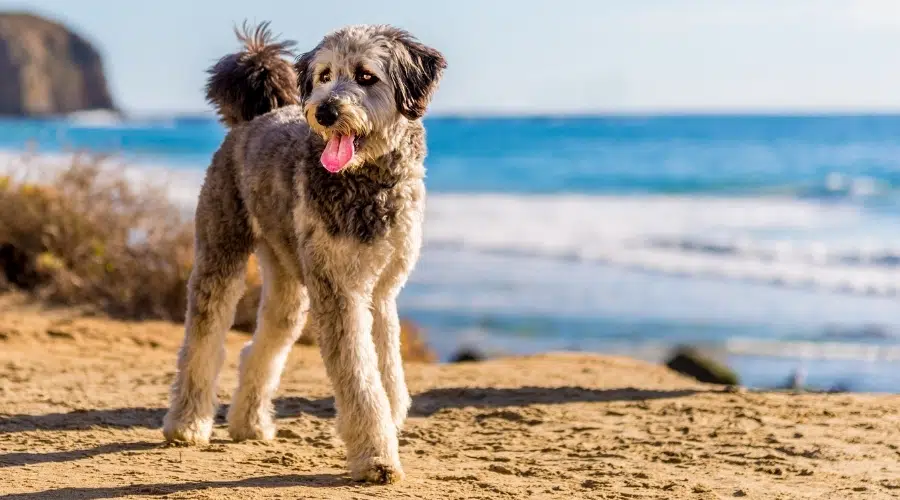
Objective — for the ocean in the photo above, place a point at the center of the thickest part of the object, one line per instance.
(773, 241)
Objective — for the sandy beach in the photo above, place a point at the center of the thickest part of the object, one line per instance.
(82, 400)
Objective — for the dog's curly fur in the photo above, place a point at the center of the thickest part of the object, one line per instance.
(254, 81)
(334, 247)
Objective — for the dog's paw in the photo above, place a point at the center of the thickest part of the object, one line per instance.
(195, 431)
(246, 425)
(245, 431)
(376, 471)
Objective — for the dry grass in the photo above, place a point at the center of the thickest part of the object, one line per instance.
(86, 236)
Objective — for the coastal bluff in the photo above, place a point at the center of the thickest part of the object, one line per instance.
(47, 69)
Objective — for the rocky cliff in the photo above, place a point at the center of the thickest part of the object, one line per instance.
(46, 69)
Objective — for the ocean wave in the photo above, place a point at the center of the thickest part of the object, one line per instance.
(111, 120)
(811, 253)
(813, 350)
(94, 119)
(783, 242)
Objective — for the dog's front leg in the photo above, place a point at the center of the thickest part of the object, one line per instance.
(386, 333)
(343, 319)
(386, 326)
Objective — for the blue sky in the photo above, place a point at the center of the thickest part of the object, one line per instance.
(520, 56)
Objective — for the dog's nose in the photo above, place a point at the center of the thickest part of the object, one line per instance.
(327, 114)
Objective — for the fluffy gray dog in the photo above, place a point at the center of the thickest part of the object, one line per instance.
(322, 176)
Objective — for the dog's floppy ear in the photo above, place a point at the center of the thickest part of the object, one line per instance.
(305, 74)
(415, 71)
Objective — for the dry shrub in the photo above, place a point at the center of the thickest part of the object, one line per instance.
(88, 236)
(412, 343)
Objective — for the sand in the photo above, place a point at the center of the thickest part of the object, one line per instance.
(82, 399)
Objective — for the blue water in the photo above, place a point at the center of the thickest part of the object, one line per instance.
(773, 240)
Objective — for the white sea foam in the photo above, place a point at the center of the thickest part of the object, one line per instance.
(782, 242)
(102, 119)
(95, 119)
(813, 350)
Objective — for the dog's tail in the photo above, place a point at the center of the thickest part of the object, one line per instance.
(255, 80)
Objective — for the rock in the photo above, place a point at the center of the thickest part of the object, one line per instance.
(47, 69)
(467, 355)
(691, 362)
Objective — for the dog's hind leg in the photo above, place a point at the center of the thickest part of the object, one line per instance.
(280, 321)
(224, 240)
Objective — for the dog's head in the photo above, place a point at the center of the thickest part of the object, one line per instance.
(361, 85)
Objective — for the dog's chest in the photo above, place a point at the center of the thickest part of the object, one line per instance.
(356, 206)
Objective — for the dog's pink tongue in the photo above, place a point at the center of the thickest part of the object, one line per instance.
(338, 152)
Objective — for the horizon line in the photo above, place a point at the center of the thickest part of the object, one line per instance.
(611, 113)
(559, 115)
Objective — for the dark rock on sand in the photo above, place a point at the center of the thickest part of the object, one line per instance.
(693, 363)
(46, 69)
(467, 355)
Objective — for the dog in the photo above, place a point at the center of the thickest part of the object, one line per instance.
(321, 174)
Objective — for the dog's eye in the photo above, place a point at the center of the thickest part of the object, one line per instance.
(325, 76)
(365, 78)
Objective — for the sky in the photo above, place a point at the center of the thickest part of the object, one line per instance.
(535, 57)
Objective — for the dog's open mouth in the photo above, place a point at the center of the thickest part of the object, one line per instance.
(339, 151)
